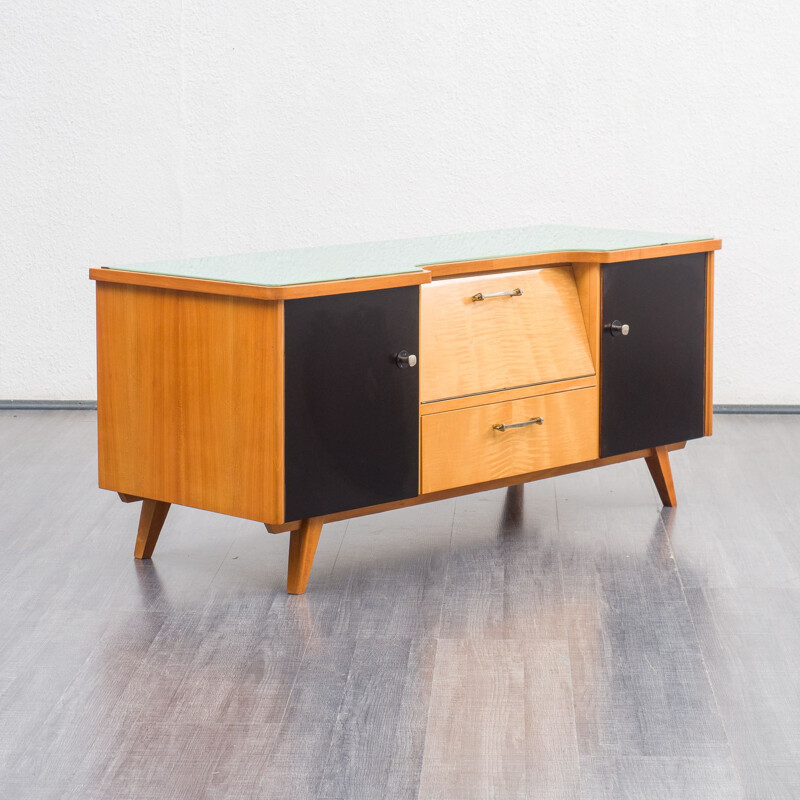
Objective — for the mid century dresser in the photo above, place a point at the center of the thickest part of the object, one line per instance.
(303, 386)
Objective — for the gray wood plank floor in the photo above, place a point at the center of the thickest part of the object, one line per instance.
(568, 640)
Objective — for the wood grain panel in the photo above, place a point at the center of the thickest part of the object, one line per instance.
(461, 447)
(190, 399)
(588, 282)
(469, 347)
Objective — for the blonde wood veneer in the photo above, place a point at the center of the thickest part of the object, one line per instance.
(459, 448)
(468, 347)
(190, 399)
(588, 283)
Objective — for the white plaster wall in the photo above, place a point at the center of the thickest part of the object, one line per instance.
(139, 130)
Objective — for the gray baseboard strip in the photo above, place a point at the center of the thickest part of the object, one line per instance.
(750, 409)
(87, 405)
(48, 405)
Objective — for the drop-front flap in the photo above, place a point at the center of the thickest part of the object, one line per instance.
(500, 331)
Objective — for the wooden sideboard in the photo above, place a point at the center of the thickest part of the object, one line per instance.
(304, 386)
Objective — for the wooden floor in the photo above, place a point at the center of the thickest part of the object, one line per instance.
(571, 641)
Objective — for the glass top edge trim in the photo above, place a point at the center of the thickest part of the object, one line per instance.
(261, 284)
(672, 243)
(351, 261)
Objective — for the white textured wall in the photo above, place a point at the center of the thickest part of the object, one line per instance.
(134, 131)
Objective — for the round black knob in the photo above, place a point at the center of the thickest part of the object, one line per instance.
(404, 359)
(617, 328)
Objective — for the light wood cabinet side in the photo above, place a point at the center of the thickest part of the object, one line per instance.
(190, 399)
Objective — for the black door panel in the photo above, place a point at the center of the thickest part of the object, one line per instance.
(352, 415)
(652, 389)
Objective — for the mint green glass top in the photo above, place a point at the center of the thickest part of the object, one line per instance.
(342, 262)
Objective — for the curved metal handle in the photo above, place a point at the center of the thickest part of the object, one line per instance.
(482, 296)
(533, 421)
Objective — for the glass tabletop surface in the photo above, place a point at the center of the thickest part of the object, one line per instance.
(399, 256)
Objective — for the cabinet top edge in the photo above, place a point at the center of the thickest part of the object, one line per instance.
(307, 272)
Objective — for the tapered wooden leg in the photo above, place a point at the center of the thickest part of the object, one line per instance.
(151, 520)
(302, 546)
(661, 472)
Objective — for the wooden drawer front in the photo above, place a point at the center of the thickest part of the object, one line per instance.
(460, 448)
(468, 347)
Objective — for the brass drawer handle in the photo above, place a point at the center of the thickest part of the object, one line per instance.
(482, 296)
(533, 421)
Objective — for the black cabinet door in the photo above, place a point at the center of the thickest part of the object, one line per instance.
(653, 379)
(352, 415)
